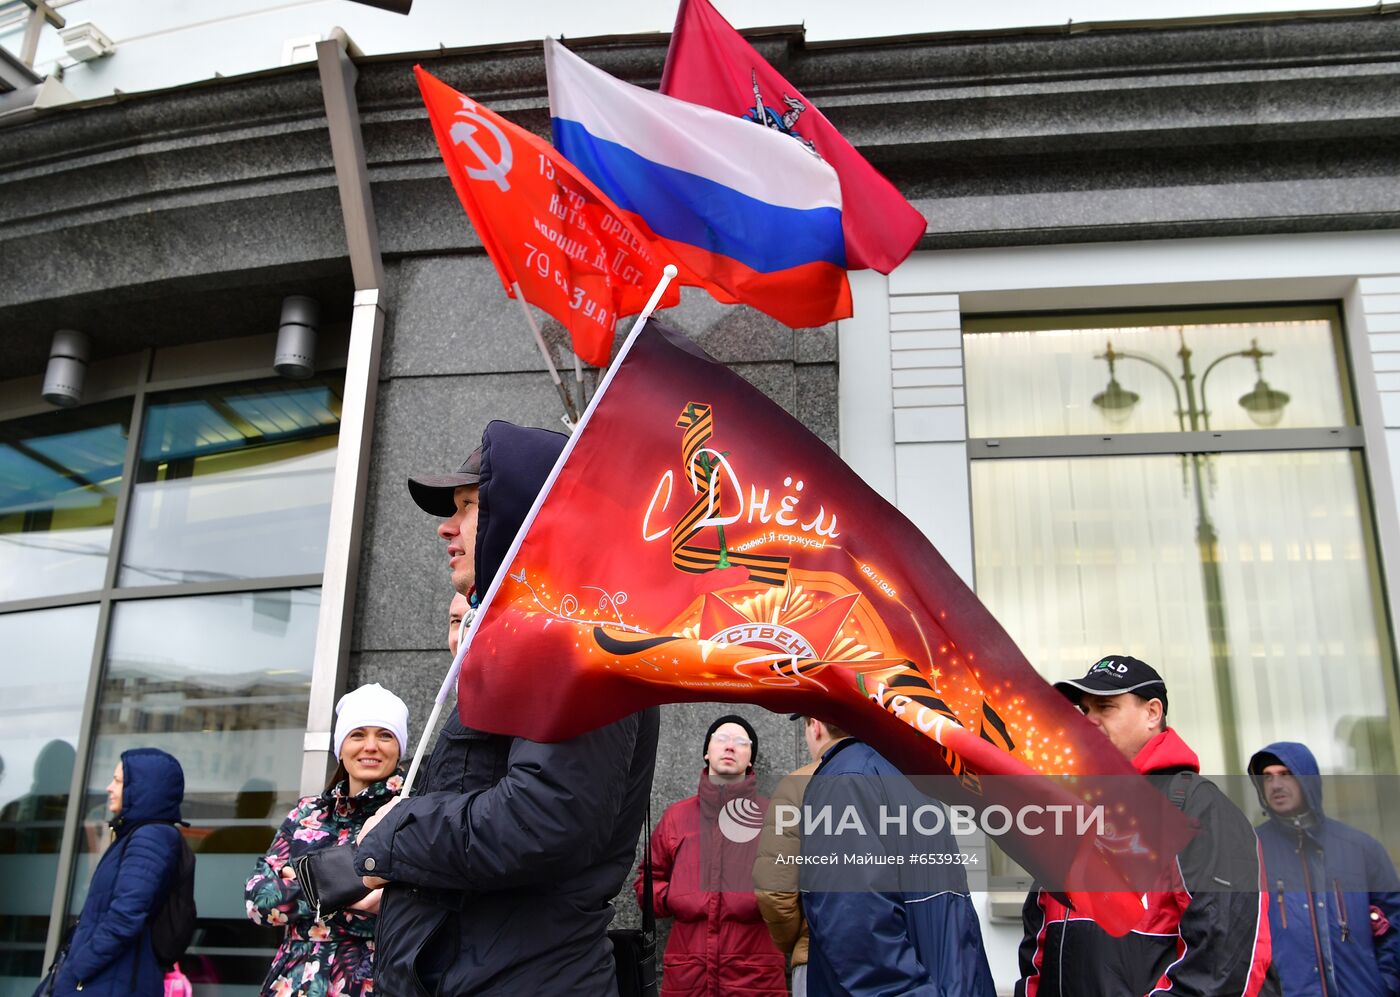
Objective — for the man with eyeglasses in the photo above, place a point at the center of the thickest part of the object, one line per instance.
(702, 855)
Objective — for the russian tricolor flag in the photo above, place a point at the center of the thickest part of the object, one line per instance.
(753, 216)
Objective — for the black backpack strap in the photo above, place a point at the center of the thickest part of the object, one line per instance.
(1180, 788)
(649, 908)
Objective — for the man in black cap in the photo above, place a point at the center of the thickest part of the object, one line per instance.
(702, 852)
(1127, 701)
(501, 868)
(1204, 934)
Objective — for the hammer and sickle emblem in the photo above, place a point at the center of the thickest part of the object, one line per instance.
(463, 132)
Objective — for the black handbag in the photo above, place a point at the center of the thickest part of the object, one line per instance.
(50, 981)
(328, 879)
(634, 950)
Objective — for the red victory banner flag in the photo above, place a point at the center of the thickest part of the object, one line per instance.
(545, 226)
(709, 63)
(696, 543)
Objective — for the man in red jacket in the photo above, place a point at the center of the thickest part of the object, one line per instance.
(702, 855)
(1203, 934)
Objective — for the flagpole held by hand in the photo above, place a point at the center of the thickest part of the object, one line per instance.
(467, 628)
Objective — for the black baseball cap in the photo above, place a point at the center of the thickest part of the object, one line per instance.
(433, 492)
(1114, 675)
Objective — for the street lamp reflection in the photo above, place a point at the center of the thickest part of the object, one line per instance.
(1265, 407)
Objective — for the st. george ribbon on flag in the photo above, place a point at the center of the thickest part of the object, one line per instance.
(710, 63)
(571, 251)
(750, 215)
(696, 543)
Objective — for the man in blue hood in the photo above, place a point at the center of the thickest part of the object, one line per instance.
(501, 869)
(1334, 910)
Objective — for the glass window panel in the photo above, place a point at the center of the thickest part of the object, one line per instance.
(222, 683)
(1082, 557)
(48, 654)
(233, 482)
(59, 477)
(1050, 376)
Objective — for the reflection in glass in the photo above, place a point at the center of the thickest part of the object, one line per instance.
(222, 683)
(233, 482)
(59, 477)
(1086, 556)
(1221, 370)
(47, 657)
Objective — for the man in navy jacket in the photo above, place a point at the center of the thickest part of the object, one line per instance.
(880, 929)
(1334, 910)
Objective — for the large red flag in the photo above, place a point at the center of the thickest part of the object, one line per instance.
(696, 543)
(544, 224)
(710, 63)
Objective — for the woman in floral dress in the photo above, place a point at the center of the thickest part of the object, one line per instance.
(331, 955)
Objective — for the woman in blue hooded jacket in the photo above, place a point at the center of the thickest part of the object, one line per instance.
(110, 954)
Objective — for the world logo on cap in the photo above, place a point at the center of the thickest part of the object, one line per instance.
(1109, 665)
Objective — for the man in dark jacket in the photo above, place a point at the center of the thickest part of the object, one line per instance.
(501, 870)
(1334, 910)
(1204, 933)
(111, 953)
(906, 929)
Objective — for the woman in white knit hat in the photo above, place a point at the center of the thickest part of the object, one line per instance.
(330, 951)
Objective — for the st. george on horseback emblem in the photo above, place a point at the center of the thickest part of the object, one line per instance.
(784, 120)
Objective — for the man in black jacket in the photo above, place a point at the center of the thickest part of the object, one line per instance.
(500, 871)
(1203, 934)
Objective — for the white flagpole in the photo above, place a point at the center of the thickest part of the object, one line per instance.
(578, 376)
(467, 628)
(564, 395)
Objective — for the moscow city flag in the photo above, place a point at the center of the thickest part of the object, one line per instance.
(696, 543)
(545, 226)
(710, 63)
